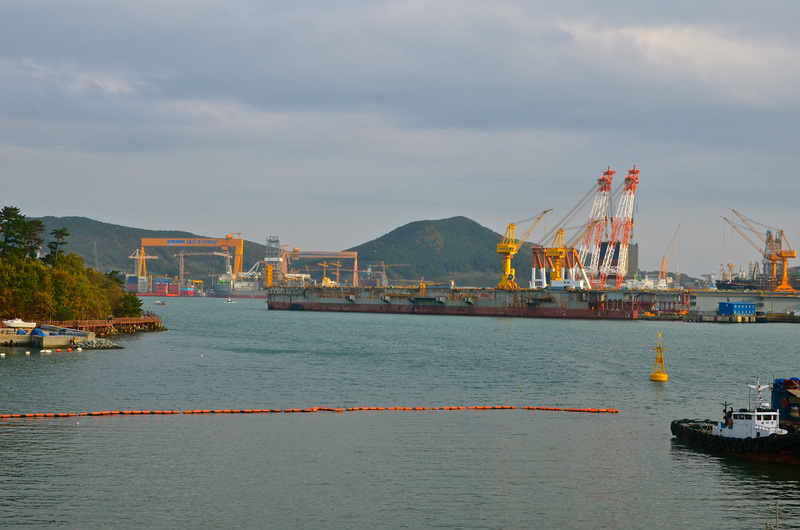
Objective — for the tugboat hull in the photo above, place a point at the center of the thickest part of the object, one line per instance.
(781, 448)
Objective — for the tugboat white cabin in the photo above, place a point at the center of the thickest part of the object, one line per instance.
(759, 422)
(748, 424)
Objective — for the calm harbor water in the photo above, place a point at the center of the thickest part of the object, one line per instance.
(389, 469)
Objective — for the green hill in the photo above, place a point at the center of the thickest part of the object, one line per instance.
(115, 244)
(439, 251)
(456, 249)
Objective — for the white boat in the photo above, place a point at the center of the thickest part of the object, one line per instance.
(229, 301)
(752, 432)
(19, 323)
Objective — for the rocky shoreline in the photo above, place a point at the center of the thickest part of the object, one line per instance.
(99, 344)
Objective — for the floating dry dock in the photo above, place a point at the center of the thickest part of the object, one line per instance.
(457, 301)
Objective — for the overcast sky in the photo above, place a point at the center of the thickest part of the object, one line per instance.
(330, 123)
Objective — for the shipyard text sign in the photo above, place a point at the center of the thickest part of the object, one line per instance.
(198, 242)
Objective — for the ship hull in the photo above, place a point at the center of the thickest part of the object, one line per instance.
(780, 448)
(462, 301)
(239, 293)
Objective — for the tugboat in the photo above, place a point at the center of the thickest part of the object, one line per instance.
(751, 433)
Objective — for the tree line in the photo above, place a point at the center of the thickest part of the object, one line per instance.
(53, 285)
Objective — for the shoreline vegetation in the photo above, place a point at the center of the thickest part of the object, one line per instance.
(53, 285)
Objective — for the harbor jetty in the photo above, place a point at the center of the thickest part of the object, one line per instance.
(149, 321)
(66, 333)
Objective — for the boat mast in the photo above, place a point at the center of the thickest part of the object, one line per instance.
(758, 387)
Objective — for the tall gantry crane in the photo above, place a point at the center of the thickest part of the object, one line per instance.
(773, 251)
(510, 246)
(228, 242)
(593, 236)
(622, 228)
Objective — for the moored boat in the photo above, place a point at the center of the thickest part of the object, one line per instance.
(749, 432)
(19, 323)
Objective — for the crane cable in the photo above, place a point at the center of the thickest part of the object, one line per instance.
(570, 215)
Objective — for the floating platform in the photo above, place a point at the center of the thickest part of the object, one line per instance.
(531, 303)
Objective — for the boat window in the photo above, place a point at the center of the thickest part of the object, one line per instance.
(760, 417)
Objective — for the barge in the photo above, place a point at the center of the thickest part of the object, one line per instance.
(532, 303)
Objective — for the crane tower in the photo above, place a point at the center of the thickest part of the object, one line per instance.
(622, 226)
(593, 236)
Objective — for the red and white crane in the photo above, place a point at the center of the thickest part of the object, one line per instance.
(622, 227)
(593, 236)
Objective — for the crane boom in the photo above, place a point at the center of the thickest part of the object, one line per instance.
(772, 251)
(527, 233)
(665, 261)
(593, 235)
(508, 248)
(741, 233)
(622, 227)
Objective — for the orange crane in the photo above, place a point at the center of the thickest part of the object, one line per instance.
(383, 266)
(560, 259)
(141, 264)
(510, 246)
(773, 251)
(296, 254)
(227, 242)
(383, 279)
(665, 262)
(326, 282)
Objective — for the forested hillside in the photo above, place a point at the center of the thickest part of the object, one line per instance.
(44, 281)
(114, 244)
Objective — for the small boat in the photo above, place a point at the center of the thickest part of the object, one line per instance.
(229, 301)
(19, 323)
(749, 432)
(160, 302)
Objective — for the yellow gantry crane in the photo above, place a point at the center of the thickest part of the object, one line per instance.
(773, 252)
(510, 246)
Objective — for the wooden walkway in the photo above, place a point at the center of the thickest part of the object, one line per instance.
(149, 321)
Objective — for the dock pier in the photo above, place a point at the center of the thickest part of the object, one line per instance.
(65, 333)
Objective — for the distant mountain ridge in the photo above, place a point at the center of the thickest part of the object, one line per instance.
(456, 249)
(115, 244)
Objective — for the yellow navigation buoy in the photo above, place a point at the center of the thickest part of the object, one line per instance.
(658, 371)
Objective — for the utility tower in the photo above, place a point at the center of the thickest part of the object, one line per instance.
(622, 227)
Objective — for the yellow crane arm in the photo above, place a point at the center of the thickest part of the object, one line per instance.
(745, 236)
(530, 229)
(746, 222)
(665, 262)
